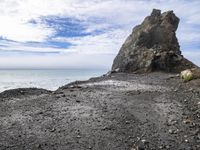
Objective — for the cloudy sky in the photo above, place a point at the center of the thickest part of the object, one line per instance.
(83, 33)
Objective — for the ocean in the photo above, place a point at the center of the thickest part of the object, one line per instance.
(47, 79)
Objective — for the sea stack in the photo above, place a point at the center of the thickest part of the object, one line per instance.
(152, 46)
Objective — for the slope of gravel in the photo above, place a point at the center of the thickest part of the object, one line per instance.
(114, 112)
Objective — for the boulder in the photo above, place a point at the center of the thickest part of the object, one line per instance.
(153, 46)
(186, 75)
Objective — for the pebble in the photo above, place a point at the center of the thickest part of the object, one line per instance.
(78, 101)
(140, 147)
(57, 96)
(186, 121)
(173, 131)
(186, 140)
(167, 147)
(127, 122)
(170, 131)
(22, 92)
(39, 146)
(161, 147)
(171, 122)
(40, 112)
(175, 90)
(63, 95)
(144, 141)
(191, 89)
(52, 130)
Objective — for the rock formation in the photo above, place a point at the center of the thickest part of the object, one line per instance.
(153, 46)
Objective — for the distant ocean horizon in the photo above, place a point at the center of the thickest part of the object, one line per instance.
(50, 79)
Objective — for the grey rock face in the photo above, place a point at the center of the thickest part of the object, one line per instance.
(153, 46)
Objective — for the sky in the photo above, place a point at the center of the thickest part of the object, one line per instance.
(83, 33)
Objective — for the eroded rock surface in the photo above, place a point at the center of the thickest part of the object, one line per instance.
(153, 46)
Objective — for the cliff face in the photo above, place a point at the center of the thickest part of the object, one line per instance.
(152, 46)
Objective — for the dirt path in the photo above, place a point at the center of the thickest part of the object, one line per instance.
(117, 112)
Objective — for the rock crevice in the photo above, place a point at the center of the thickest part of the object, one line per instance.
(153, 46)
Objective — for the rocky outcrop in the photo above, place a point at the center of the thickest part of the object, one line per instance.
(153, 46)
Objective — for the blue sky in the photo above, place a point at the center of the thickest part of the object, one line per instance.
(83, 33)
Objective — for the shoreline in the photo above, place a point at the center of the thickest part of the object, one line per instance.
(45, 79)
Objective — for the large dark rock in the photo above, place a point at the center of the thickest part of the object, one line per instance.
(153, 46)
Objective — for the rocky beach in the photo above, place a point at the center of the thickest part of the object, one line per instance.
(141, 104)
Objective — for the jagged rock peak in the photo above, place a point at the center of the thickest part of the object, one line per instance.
(152, 46)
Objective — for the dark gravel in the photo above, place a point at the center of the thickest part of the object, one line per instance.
(114, 112)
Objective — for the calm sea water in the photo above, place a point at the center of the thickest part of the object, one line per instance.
(47, 79)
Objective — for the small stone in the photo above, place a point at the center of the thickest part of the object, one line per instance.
(57, 96)
(167, 147)
(191, 89)
(175, 90)
(173, 131)
(78, 136)
(187, 121)
(160, 147)
(144, 141)
(53, 130)
(186, 140)
(40, 112)
(22, 92)
(39, 146)
(78, 101)
(140, 147)
(176, 131)
(170, 131)
(63, 95)
(138, 138)
(171, 122)
(115, 70)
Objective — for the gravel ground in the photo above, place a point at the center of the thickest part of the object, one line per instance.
(114, 112)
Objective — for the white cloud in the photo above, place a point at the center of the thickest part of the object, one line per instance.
(117, 18)
(105, 43)
(14, 14)
(13, 29)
